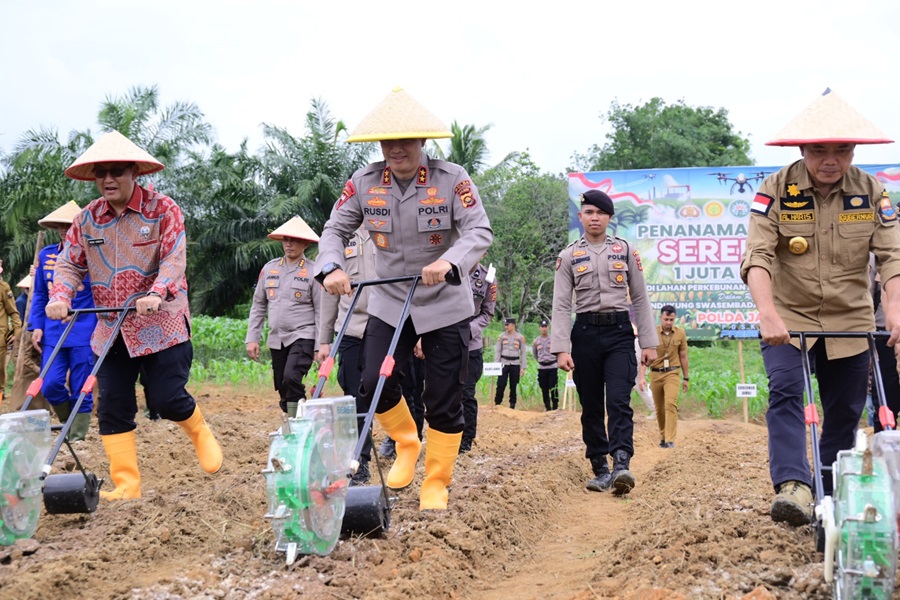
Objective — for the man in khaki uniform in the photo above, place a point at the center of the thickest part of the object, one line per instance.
(10, 325)
(665, 381)
(812, 226)
(425, 217)
(31, 362)
(287, 294)
(602, 271)
(359, 260)
(511, 353)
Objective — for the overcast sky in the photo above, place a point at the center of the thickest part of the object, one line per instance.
(541, 73)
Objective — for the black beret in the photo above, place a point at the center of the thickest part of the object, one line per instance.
(544, 323)
(598, 199)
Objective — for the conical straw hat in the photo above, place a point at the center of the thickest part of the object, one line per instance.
(295, 228)
(112, 147)
(829, 120)
(64, 215)
(399, 117)
(25, 282)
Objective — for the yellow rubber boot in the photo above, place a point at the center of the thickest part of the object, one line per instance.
(121, 450)
(440, 456)
(399, 424)
(208, 450)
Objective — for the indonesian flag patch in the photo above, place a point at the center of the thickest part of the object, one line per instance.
(761, 204)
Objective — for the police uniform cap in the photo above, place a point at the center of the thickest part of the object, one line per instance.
(598, 199)
(544, 323)
(509, 321)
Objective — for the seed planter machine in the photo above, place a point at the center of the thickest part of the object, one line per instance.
(313, 456)
(27, 452)
(856, 527)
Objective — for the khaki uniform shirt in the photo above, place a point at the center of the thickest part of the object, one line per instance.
(289, 295)
(540, 348)
(9, 314)
(484, 295)
(359, 262)
(670, 347)
(438, 216)
(601, 281)
(822, 285)
(510, 349)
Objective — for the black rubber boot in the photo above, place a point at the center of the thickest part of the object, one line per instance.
(465, 445)
(602, 477)
(622, 478)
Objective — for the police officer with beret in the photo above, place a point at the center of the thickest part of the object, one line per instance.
(425, 217)
(602, 271)
(812, 226)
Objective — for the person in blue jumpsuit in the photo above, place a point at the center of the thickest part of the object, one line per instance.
(75, 359)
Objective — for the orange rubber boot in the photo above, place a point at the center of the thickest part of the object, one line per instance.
(208, 450)
(121, 450)
(399, 424)
(440, 456)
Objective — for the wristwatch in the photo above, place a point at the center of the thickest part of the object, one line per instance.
(330, 268)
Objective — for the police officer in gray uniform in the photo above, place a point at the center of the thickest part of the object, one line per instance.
(602, 271)
(425, 217)
(511, 353)
(548, 371)
(484, 295)
(287, 293)
(359, 260)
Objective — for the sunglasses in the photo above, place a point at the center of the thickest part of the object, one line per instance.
(101, 172)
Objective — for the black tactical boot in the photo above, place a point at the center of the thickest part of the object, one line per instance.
(362, 475)
(387, 448)
(602, 477)
(622, 478)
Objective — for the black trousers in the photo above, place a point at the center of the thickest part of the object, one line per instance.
(290, 364)
(887, 362)
(604, 359)
(165, 375)
(470, 402)
(510, 373)
(349, 376)
(445, 369)
(842, 392)
(548, 380)
(412, 386)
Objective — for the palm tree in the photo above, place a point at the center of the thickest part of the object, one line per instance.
(31, 185)
(468, 147)
(249, 196)
(166, 134)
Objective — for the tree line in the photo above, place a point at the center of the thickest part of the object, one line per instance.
(232, 200)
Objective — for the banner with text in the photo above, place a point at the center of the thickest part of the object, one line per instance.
(690, 226)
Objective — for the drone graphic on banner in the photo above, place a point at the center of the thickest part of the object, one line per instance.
(690, 227)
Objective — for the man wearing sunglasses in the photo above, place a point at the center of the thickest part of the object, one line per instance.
(131, 243)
